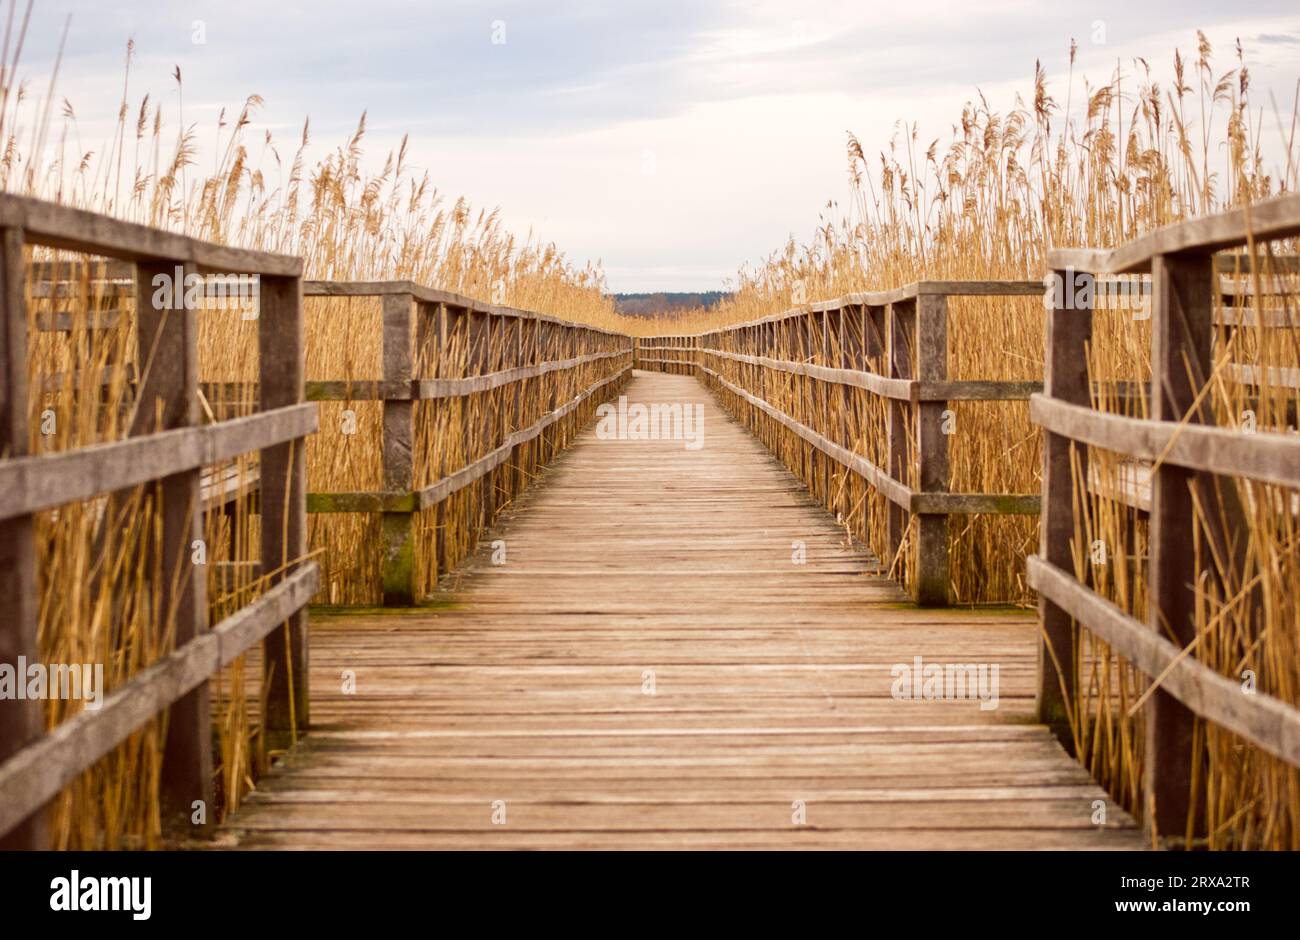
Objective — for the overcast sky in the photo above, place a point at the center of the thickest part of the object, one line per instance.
(672, 139)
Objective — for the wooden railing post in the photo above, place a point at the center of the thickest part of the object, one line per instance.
(283, 483)
(516, 358)
(874, 332)
(438, 346)
(898, 350)
(931, 582)
(546, 332)
(488, 486)
(849, 337)
(830, 392)
(477, 322)
(22, 721)
(398, 563)
(168, 398)
(1069, 332)
(1182, 332)
(532, 349)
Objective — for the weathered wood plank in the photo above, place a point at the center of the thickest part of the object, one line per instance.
(931, 332)
(281, 353)
(904, 294)
(1182, 338)
(434, 296)
(31, 484)
(1272, 218)
(397, 566)
(21, 722)
(1266, 456)
(899, 389)
(46, 223)
(168, 399)
(1069, 332)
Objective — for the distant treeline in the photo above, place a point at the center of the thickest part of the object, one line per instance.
(650, 305)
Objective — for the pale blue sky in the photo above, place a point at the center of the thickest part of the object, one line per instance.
(672, 139)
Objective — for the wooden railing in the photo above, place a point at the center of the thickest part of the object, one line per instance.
(514, 362)
(1192, 470)
(36, 765)
(678, 355)
(892, 345)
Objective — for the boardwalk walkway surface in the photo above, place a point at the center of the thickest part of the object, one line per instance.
(517, 712)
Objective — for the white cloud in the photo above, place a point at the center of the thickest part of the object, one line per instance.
(743, 105)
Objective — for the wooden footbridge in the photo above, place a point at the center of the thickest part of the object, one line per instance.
(674, 592)
(648, 668)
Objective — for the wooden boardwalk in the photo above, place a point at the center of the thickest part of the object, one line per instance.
(517, 712)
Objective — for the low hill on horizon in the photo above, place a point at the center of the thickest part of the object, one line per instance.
(665, 302)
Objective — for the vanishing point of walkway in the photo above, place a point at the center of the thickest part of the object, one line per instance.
(650, 669)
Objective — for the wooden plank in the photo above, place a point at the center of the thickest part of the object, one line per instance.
(283, 484)
(238, 632)
(432, 295)
(901, 390)
(1128, 482)
(93, 271)
(992, 504)
(1182, 339)
(427, 389)
(397, 566)
(1270, 457)
(809, 838)
(57, 226)
(1249, 316)
(438, 336)
(32, 484)
(904, 294)
(931, 583)
(21, 721)
(1265, 376)
(456, 388)
(657, 361)
(82, 378)
(360, 390)
(974, 390)
(66, 321)
(1069, 333)
(981, 288)
(1226, 263)
(899, 323)
(167, 399)
(1274, 218)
